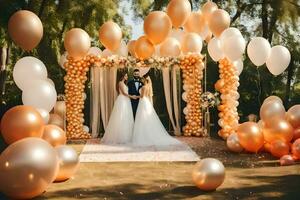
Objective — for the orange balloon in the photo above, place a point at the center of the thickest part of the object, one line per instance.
(57, 120)
(296, 149)
(279, 130)
(130, 46)
(77, 43)
(267, 147)
(219, 84)
(271, 110)
(170, 47)
(250, 136)
(110, 35)
(218, 22)
(293, 116)
(208, 8)
(157, 26)
(296, 134)
(21, 122)
(144, 48)
(191, 43)
(279, 148)
(178, 11)
(54, 135)
(26, 29)
(195, 23)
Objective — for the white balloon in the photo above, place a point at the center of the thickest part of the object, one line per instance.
(63, 59)
(259, 50)
(50, 81)
(234, 47)
(123, 50)
(178, 34)
(230, 32)
(279, 59)
(239, 64)
(28, 69)
(106, 53)
(95, 51)
(45, 115)
(84, 96)
(86, 129)
(192, 43)
(40, 94)
(215, 49)
(205, 33)
(185, 111)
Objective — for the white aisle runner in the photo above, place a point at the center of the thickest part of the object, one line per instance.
(93, 151)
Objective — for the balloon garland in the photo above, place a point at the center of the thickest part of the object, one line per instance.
(227, 85)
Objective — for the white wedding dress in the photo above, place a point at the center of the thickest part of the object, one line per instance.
(120, 125)
(148, 129)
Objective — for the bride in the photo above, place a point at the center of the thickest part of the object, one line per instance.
(148, 129)
(120, 125)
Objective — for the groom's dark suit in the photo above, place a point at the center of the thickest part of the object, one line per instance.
(134, 87)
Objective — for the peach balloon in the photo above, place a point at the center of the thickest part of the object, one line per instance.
(54, 135)
(77, 43)
(27, 168)
(287, 160)
(110, 35)
(208, 8)
(26, 29)
(250, 136)
(218, 22)
(280, 129)
(293, 116)
(157, 26)
(144, 48)
(296, 134)
(267, 147)
(219, 84)
(273, 98)
(279, 148)
(233, 143)
(21, 122)
(192, 43)
(271, 110)
(296, 149)
(195, 23)
(170, 47)
(178, 11)
(57, 120)
(130, 46)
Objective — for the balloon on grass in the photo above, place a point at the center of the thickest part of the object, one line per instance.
(27, 168)
(279, 148)
(293, 116)
(259, 50)
(233, 143)
(270, 110)
(28, 69)
(208, 174)
(278, 129)
(26, 29)
(287, 160)
(21, 122)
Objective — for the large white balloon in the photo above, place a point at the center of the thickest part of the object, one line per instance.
(279, 59)
(28, 69)
(178, 34)
(215, 49)
(40, 94)
(239, 64)
(123, 50)
(230, 32)
(234, 47)
(94, 51)
(259, 50)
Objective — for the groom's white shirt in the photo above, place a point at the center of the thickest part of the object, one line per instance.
(137, 84)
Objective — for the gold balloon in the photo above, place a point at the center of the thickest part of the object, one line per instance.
(60, 108)
(250, 136)
(271, 110)
(293, 116)
(296, 149)
(279, 148)
(273, 98)
(157, 26)
(233, 143)
(20, 122)
(195, 23)
(191, 43)
(77, 43)
(178, 11)
(26, 29)
(27, 168)
(68, 162)
(54, 135)
(219, 84)
(130, 46)
(208, 8)
(110, 35)
(208, 174)
(280, 129)
(170, 47)
(144, 48)
(57, 120)
(218, 22)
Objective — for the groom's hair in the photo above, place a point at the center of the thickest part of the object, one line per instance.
(136, 70)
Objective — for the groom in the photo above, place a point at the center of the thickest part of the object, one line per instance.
(134, 87)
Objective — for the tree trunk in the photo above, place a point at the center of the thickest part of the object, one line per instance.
(43, 5)
(288, 83)
(264, 19)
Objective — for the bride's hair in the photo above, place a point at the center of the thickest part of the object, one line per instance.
(121, 78)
